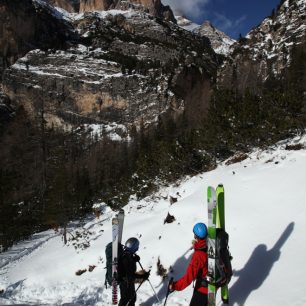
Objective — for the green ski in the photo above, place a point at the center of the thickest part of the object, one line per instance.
(211, 246)
(221, 225)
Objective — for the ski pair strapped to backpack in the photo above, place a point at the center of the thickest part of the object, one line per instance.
(116, 250)
(117, 227)
(219, 265)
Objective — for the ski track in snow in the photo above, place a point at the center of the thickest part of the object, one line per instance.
(265, 233)
(19, 251)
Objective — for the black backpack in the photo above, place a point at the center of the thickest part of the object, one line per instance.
(109, 259)
(224, 270)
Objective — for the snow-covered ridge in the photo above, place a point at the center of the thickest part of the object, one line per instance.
(276, 35)
(57, 13)
(186, 23)
(266, 52)
(264, 217)
(103, 14)
(220, 42)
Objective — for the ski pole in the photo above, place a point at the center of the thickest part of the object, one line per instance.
(142, 281)
(128, 303)
(154, 291)
(168, 290)
(150, 283)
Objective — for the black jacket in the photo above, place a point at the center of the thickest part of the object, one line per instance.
(129, 267)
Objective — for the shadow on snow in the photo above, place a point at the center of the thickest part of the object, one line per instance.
(257, 269)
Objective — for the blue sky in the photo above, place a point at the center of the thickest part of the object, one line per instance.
(233, 17)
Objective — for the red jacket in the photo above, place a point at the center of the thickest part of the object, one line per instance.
(197, 262)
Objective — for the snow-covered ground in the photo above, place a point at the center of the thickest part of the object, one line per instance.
(265, 216)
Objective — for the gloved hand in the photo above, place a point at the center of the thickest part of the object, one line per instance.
(171, 287)
(136, 258)
(142, 274)
(146, 275)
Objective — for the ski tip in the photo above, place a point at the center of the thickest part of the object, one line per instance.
(211, 192)
(225, 301)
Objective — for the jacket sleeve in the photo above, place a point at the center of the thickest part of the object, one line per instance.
(190, 275)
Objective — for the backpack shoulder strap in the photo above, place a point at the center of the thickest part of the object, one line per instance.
(201, 281)
(204, 249)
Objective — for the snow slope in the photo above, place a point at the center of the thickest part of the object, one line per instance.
(265, 216)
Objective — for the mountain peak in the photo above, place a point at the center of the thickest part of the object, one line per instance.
(220, 42)
(207, 24)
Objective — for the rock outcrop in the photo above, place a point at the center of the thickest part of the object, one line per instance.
(96, 5)
(153, 7)
(71, 6)
(26, 25)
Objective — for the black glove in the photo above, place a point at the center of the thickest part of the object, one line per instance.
(136, 258)
(146, 275)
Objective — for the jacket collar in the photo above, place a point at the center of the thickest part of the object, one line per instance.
(200, 244)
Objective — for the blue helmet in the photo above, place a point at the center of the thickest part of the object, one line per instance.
(200, 230)
(132, 245)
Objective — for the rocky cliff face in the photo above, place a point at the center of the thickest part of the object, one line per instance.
(96, 5)
(26, 25)
(71, 6)
(153, 7)
(127, 68)
(266, 52)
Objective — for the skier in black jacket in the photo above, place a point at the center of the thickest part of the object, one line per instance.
(128, 268)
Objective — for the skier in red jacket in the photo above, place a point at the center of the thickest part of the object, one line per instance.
(197, 269)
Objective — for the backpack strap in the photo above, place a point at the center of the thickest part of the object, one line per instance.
(203, 249)
(201, 281)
